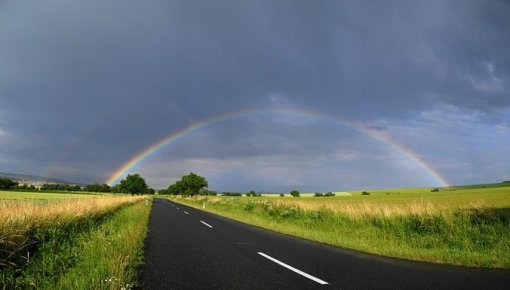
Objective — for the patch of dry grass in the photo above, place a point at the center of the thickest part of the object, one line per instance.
(371, 209)
(20, 219)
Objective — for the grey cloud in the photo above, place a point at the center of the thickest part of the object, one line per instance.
(97, 81)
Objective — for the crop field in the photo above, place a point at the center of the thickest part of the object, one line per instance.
(15, 195)
(70, 241)
(467, 226)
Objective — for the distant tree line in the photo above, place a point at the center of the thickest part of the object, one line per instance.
(96, 187)
(228, 193)
(26, 187)
(133, 184)
(60, 187)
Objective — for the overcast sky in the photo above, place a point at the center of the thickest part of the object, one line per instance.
(86, 85)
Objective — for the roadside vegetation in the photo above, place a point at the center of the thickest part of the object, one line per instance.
(71, 241)
(467, 226)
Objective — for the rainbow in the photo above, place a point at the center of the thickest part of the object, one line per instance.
(193, 127)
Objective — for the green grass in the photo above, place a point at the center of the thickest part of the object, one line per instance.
(93, 243)
(111, 254)
(467, 226)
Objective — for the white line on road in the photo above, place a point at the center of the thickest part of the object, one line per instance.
(186, 212)
(322, 282)
(177, 208)
(206, 224)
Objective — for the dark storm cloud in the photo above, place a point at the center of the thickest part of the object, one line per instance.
(97, 81)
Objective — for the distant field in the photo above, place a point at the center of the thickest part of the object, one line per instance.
(497, 197)
(6, 195)
(464, 225)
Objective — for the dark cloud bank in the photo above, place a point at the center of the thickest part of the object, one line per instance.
(90, 83)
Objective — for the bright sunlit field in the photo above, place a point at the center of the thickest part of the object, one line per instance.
(445, 198)
(10, 195)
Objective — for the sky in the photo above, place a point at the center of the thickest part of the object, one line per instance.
(336, 95)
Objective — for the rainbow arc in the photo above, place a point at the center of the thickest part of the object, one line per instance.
(201, 124)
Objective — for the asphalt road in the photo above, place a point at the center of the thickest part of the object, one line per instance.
(191, 249)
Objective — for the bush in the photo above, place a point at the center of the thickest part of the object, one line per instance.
(434, 190)
(282, 195)
(327, 194)
(253, 193)
(226, 193)
(365, 193)
(295, 193)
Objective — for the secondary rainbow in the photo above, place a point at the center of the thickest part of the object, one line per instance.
(175, 136)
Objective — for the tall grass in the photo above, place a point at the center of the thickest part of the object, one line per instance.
(30, 227)
(469, 234)
(110, 254)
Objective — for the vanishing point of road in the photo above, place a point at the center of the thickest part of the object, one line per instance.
(191, 249)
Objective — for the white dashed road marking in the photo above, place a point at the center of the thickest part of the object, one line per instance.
(206, 224)
(322, 282)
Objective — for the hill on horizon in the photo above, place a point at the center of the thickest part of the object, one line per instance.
(33, 179)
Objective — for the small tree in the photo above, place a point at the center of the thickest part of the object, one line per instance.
(282, 195)
(295, 193)
(134, 184)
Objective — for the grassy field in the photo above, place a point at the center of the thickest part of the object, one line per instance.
(90, 242)
(15, 195)
(467, 226)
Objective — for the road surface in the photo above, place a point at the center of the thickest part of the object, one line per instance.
(191, 249)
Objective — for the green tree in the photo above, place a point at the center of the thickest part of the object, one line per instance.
(96, 187)
(134, 184)
(176, 188)
(116, 188)
(295, 193)
(7, 183)
(193, 183)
